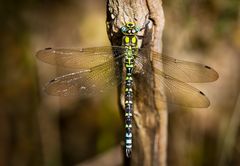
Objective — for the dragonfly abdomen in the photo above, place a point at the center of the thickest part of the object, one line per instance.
(130, 43)
(128, 112)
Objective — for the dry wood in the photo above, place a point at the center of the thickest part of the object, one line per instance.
(150, 116)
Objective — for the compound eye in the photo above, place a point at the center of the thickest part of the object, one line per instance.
(137, 29)
(124, 29)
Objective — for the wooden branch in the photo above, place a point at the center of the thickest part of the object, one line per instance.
(150, 116)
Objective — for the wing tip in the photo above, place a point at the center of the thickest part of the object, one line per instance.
(208, 67)
(215, 74)
(202, 93)
(48, 88)
(40, 54)
(206, 103)
(48, 48)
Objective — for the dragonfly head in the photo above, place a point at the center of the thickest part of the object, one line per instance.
(130, 29)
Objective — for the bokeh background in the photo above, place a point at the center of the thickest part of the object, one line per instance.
(37, 129)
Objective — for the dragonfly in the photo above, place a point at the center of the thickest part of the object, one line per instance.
(100, 68)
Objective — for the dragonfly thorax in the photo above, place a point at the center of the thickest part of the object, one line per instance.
(130, 41)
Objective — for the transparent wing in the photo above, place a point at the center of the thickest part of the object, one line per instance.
(183, 70)
(84, 58)
(176, 91)
(181, 93)
(86, 83)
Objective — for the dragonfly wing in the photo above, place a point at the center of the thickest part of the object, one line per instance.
(84, 58)
(176, 91)
(85, 83)
(183, 70)
(181, 93)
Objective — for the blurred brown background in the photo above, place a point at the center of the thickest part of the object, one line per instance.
(36, 129)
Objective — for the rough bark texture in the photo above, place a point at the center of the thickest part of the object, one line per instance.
(150, 116)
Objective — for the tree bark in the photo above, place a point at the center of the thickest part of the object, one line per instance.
(150, 116)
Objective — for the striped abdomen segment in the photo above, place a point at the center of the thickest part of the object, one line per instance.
(129, 62)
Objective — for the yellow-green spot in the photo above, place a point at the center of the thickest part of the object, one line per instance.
(130, 66)
(128, 78)
(134, 40)
(127, 39)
